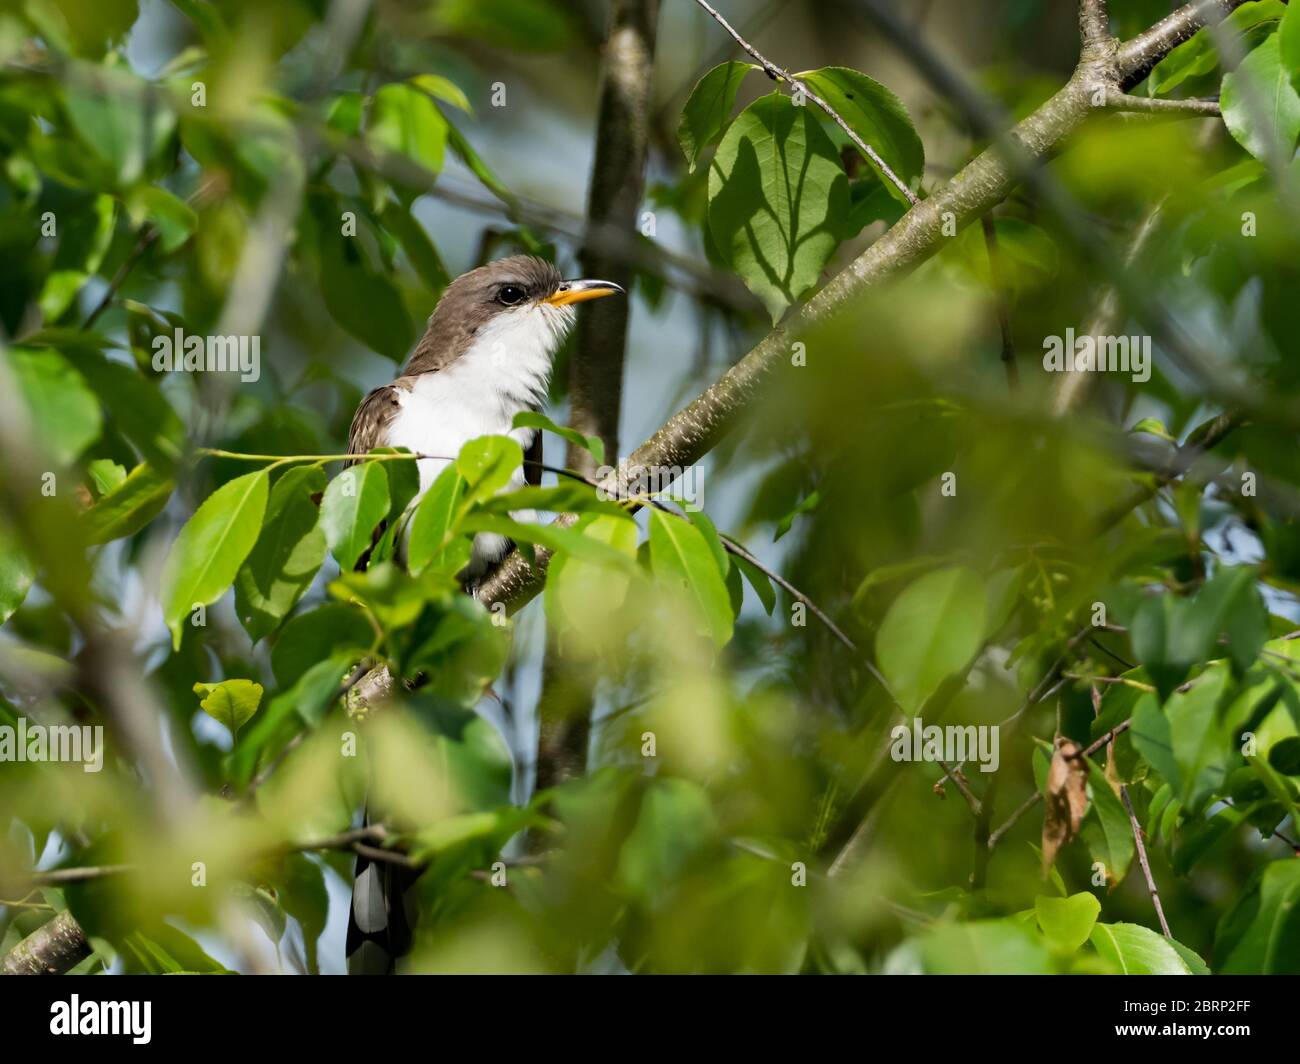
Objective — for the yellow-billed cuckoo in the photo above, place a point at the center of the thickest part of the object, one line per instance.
(485, 357)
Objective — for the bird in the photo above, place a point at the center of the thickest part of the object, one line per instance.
(486, 355)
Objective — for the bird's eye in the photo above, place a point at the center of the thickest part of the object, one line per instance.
(511, 295)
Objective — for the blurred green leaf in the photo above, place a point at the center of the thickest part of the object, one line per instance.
(1260, 935)
(931, 631)
(1261, 106)
(1067, 922)
(128, 507)
(65, 412)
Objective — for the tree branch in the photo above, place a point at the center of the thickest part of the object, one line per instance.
(1122, 101)
(1094, 24)
(596, 369)
(1139, 55)
(52, 949)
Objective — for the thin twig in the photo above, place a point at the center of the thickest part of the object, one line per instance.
(1142, 859)
(777, 73)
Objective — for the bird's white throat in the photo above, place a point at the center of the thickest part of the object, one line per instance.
(506, 370)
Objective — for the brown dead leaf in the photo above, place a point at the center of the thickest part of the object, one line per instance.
(1066, 800)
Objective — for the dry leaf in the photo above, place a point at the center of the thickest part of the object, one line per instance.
(1066, 800)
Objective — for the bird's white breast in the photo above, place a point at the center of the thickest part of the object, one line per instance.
(505, 371)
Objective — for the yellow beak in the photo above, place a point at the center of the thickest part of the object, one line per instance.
(581, 291)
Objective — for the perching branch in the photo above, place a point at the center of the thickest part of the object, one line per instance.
(52, 949)
(777, 73)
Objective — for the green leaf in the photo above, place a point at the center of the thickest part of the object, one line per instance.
(211, 547)
(1204, 745)
(1260, 935)
(877, 116)
(1261, 106)
(354, 504)
(364, 302)
(758, 580)
(984, 947)
(431, 536)
(568, 496)
(778, 200)
(1067, 922)
(1153, 740)
(531, 419)
(123, 119)
(675, 825)
(1153, 427)
(932, 631)
(418, 247)
(681, 558)
(1132, 949)
(404, 120)
(1113, 819)
(15, 576)
(65, 412)
(105, 475)
(128, 507)
(332, 631)
(174, 219)
(1284, 756)
(287, 555)
(708, 108)
(1200, 54)
(551, 536)
(709, 531)
(488, 463)
(1288, 37)
(444, 89)
(302, 893)
(580, 591)
(230, 702)
(135, 403)
(81, 252)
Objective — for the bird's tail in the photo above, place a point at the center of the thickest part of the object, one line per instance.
(382, 916)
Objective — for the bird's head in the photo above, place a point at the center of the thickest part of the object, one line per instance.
(512, 309)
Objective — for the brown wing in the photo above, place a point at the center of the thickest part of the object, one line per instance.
(370, 422)
(370, 430)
